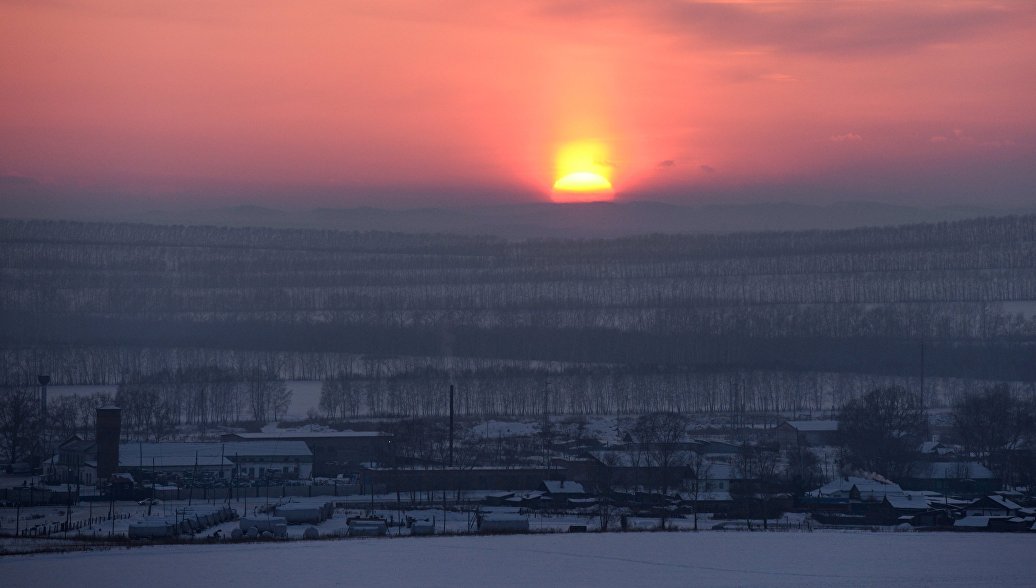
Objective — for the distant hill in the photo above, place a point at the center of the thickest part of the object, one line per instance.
(591, 220)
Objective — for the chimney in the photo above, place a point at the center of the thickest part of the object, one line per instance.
(109, 429)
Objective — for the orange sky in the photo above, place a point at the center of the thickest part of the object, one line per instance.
(348, 100)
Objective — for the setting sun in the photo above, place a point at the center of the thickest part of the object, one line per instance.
(583, 182)
(582, 173)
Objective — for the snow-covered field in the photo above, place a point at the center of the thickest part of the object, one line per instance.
(613, 559)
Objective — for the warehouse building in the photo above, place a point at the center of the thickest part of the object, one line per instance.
(333, 452)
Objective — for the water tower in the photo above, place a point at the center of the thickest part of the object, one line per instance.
(109, 429)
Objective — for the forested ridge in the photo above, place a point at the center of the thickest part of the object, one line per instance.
(94, 301)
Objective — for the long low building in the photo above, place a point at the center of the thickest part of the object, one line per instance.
(235, 459)
(76, 460)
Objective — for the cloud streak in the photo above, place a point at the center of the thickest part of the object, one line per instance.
(831, 29)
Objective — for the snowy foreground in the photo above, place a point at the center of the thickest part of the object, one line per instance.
(614, 559)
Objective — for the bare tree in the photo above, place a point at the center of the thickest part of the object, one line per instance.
(991, 426)
(880, 431)
(757, 466)
(661, 435)
(19, 424)
(699, 483)
(269, 398)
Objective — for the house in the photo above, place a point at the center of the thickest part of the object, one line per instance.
(993, 505)
(714, 450)
(75, 462)
(862, 497)
(853, 488)
(902, 507)
(334, 452)
(934, 517)
(497, 498)
(251, 460)
(560, 491)
(709, 490)
(714, 476)
(796, 434)
(421, 478)
(957, 477)
(972, 523)
(936, 449)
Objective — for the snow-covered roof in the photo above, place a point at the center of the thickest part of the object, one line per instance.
(938, 470)
(976, 522)
(935, 447)
(310, 435)
(814, 426)
(907, 502)
(563, 487)
(206, 454)
(1003, 501)
(870, 489)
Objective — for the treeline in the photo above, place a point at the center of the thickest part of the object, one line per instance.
(320, 351)
(621, 390)
(91, 301)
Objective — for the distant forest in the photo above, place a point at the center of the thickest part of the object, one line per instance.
(704, 317)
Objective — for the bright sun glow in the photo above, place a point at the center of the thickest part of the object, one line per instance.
(583, 173)
(583, 182)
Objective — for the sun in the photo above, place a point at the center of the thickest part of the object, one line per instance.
(582, 173)
(583, 182)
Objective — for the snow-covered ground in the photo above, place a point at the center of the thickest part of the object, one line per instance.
(613, 559)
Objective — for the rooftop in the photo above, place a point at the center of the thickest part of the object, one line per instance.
(563, 487)
(934, 470)
(206, 454)
(814, 426)
(311, 434)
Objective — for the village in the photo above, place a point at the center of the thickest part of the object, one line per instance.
(314, 483)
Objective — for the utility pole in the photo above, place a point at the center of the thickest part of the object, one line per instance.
(546, 424)
(451, 425)
(194, 479)
(68, 511)
(237, 467)
(43, 379)
(923, 403)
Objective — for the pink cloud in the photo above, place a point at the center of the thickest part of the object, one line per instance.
(846, 138)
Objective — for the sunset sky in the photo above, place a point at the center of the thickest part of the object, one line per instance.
(404, 102)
